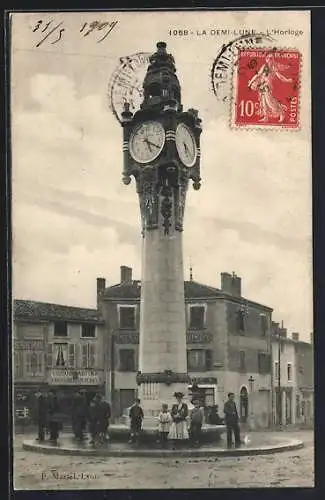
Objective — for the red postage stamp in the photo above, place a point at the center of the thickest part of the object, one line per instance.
(266, 89)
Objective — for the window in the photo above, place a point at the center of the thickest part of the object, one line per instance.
(61, 329)
(276, 370)
(240, 321)
(127, 360)
(264, 324)
(88, 355)
(263, 363)
(34, 363)
(88, 331)
(197, 314)
(242, 361)
(127, 317)
(18, 364)
(60, 354)
(209, 359)
(289, 372)
(196, 360)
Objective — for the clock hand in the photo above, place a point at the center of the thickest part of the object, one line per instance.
(148, 142)
(185, 147)
(152, 143)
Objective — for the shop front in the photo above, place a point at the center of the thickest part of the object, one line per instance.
(66, 382)
(204, 389)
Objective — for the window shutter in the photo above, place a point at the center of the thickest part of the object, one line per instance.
(84, 355)
(71, 356)
(40, 362)
(49, 357)
(92, 355)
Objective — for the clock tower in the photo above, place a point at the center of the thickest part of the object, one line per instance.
(161, 146)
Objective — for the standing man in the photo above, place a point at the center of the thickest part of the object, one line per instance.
(231, 421)
(79, 415)
(105, 414)
(41, 415)
(136, 417)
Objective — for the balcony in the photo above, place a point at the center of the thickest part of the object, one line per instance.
(75, 376)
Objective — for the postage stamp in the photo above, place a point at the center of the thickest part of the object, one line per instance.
(266, 89)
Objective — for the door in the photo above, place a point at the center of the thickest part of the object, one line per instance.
(288, 407)
(127, 397)
(243, 405)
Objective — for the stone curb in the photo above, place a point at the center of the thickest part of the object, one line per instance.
(293, 444)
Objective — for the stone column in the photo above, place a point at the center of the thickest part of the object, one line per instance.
(162, 347)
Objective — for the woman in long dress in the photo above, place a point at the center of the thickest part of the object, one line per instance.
(179, 429)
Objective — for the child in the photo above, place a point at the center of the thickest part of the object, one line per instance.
(196, 420)
(165, 420)
(136, 417)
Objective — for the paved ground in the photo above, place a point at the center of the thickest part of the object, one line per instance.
(40, 471)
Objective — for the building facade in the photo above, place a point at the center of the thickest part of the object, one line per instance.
(56, 347)
(304, 354)
(228, 344)
(232, 346)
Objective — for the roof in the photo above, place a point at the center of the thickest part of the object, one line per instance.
(192, 290)
(31, 309)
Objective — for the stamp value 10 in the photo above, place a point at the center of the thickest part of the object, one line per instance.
(266, 89)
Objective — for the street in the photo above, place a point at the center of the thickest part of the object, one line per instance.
(287, 469)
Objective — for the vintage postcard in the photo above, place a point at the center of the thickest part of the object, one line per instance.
(162, 249)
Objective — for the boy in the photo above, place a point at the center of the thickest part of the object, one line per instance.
(196, 421)
(136, 417)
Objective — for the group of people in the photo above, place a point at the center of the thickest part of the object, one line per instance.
(180, 424)
(177, 425)
(94, 414)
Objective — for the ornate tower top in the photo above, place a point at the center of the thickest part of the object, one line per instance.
(161, 86)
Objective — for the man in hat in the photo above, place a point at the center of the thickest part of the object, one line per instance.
(136, 417)
(196, 421)
(231, 420)
(79, 414)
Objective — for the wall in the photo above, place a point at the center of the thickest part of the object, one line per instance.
(288, 387)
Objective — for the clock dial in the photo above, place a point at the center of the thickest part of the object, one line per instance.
(147, 141)
(186, 145)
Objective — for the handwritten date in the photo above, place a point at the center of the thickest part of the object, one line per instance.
(55, 32)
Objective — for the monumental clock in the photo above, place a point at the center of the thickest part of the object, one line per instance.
(161, 149)
(161, 145)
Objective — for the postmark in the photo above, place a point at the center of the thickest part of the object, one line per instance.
(222, 67)
(266, 89)
(125, 84)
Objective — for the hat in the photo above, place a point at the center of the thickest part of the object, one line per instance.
(178, 395)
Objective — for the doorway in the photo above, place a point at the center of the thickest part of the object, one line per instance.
(243, 406)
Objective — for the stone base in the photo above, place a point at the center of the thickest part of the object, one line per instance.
(153, 394)
(66, 446)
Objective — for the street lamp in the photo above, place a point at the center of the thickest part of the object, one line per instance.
(251, 381)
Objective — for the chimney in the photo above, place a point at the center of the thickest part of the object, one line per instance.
(101, 285)
(236, 285)
(295, 336)
(226, 283)
(126, 274)
(283, 332)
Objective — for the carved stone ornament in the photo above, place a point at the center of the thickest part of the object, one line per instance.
(166, 206)
(167, 377)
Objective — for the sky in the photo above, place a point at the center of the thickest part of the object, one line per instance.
(73, 218)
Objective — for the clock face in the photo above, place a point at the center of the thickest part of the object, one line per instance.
(186, 145)
(147, 141)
